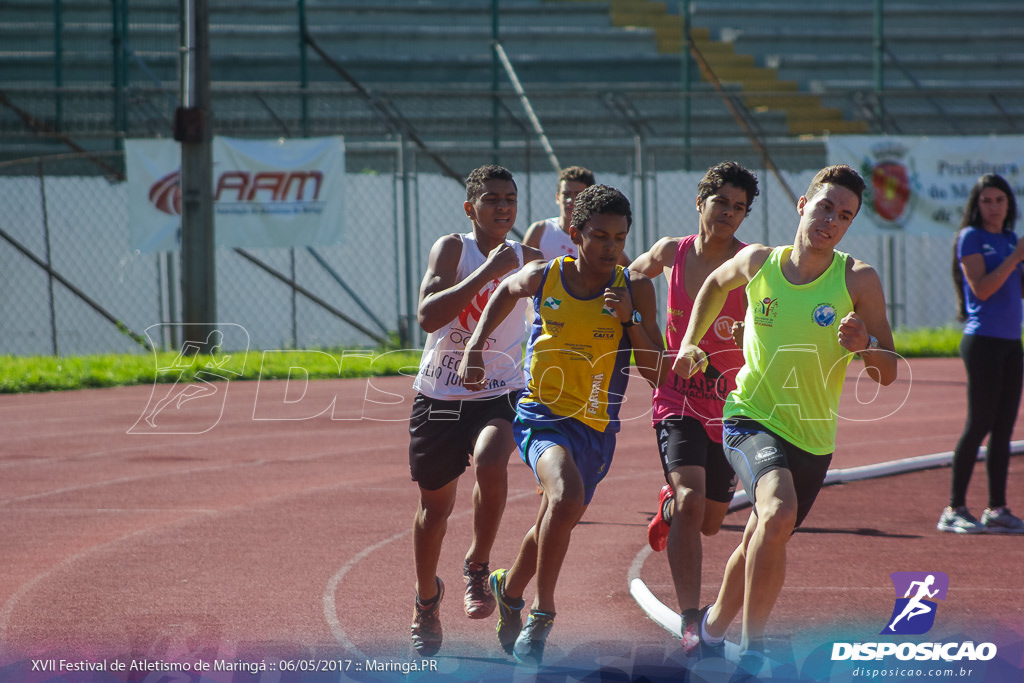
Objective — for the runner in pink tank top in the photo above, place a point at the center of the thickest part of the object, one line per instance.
(687, 413)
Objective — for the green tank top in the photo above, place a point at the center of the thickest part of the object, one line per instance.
(795, 366)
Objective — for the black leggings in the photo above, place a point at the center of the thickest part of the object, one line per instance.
(994, 376)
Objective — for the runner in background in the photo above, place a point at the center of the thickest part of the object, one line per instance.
(551, 235)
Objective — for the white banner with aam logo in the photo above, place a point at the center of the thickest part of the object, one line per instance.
(920, 184)
(266, 193)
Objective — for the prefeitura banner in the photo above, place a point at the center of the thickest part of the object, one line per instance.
(920, 184)
(266, 193)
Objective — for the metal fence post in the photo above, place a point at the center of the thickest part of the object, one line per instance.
(407, 240)
(117, 69)
(687, 85)
(495, 68)
(303, 68)
(198, 258)
(295, 299)
(49, 262)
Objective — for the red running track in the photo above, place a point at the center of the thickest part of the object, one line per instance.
(267, 524)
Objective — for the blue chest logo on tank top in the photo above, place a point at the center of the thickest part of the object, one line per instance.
(824, 315)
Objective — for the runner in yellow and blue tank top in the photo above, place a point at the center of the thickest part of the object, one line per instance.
(585, 340)
(590, 314)
(810, 308)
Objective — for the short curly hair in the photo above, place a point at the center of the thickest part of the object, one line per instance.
(478, 176)
(599, 199)
(728, 173)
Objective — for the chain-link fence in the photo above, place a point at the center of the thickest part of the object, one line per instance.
(72, 285)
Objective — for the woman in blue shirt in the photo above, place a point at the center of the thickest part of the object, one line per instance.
(987, 272)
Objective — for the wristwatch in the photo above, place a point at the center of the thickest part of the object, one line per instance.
(872, 343)
(633, 320)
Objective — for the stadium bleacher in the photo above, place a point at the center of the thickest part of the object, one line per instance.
(796, 68)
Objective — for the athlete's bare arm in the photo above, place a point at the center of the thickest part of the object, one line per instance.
(736, 272)
(658, 259)
(441, 297)
(518, 286)
(645, 338)
(531, 254)
(868, 319)
(534, 234)
(985, 283)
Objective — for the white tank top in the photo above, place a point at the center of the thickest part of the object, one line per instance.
(554, 242)
(443, 351)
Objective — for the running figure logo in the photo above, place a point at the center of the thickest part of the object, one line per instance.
(914, 613)
(179, 406)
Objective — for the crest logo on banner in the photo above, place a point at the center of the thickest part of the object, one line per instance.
(890, 184)
(920, 185)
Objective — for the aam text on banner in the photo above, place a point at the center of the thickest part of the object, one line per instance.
(267, 193)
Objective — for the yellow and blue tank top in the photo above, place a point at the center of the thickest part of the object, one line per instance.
(795, 366)
(577, 356)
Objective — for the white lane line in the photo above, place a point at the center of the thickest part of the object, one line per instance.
(331, 589)
(669, 620)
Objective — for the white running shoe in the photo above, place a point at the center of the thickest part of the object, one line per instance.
(959, 521)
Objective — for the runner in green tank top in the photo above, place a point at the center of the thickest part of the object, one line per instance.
(794, 368)
(810, 308)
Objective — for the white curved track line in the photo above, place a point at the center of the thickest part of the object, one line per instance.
(331, 589)
(668, 618)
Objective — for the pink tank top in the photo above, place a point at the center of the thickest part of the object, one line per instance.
(700, 396)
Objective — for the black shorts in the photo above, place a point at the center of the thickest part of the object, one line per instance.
(753, 450)
(443, 435)
(683, 441)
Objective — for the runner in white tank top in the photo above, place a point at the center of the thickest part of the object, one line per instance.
(548, 234)
(438, 376)
(551, 235)
(554, 241)
(447, 434)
